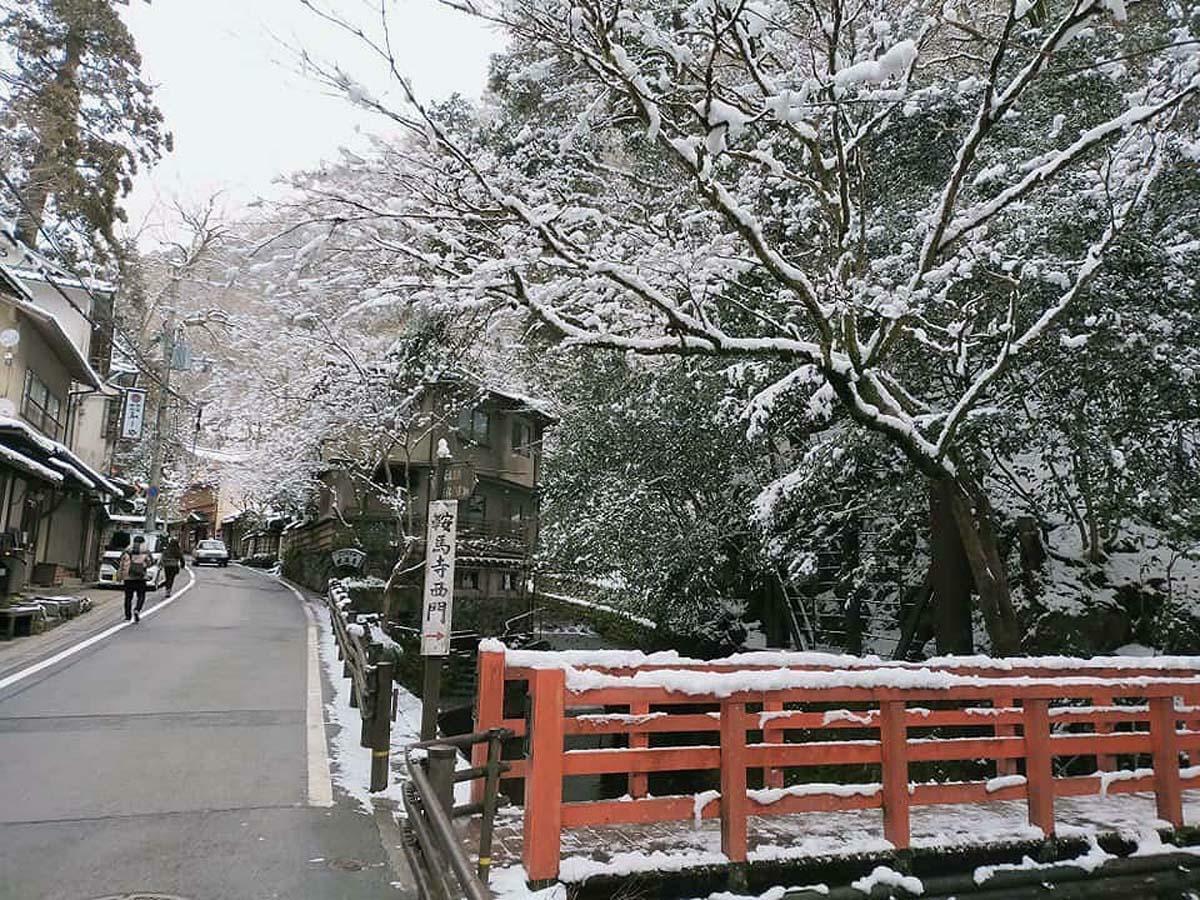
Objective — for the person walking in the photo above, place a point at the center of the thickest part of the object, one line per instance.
(172, 560)
(134, 563)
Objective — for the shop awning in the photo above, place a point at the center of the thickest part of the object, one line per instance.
(23, 440)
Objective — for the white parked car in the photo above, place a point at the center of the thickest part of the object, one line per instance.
(212, 552)
(110, 563)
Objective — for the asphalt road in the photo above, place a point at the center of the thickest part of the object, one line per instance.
(171, 757)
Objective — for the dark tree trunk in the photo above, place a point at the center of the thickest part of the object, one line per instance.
(1033, 553)
(949, 573)
(57, 140)
(973, 515)
(965, 559)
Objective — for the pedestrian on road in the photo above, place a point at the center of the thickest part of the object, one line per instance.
(134, 563)
(172, 560)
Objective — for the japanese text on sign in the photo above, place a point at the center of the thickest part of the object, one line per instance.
(135, 411)
(439, 577)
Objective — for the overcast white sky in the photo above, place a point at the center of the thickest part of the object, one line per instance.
(240, 110)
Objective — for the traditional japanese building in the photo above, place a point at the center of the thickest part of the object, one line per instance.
(51, 497)
(495, 443)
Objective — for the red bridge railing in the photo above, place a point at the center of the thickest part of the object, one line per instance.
(1020, 713)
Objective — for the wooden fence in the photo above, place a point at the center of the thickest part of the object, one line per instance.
(764, 716)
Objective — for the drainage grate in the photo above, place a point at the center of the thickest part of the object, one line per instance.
(142, 895)
(346, 864)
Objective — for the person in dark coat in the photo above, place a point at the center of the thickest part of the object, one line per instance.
(134, 563)
(172, 560)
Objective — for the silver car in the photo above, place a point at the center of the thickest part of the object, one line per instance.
(212, 552)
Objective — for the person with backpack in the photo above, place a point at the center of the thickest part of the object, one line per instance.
(134, 563)
(172, 560)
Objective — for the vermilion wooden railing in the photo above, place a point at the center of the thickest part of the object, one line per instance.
(1150, 700)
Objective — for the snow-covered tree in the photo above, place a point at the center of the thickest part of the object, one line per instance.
(897, 203)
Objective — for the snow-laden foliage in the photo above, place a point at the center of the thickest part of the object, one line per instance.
(898, 205)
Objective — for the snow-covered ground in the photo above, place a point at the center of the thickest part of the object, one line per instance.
(350, 762)
(854, 832)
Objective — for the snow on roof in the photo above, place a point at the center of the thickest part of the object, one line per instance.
(523, 401)
(126, 519)
(73, 472)
(50, 329)
(60, 452)
(21, 461)
(39, 268)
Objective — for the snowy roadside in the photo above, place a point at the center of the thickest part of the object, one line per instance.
(350, 762)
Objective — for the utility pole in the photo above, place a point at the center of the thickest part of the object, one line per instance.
(160, 426)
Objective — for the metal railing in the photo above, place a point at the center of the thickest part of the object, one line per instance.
(434, 850)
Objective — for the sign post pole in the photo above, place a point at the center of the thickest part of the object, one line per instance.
(438, 606)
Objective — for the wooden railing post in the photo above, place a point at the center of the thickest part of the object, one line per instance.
(1164, 743)
(489, 708)
(772, 776)
(893, 747)
(734, 802)
(639, 782)
(544, 776)
(1105, 762)
(1005, 766)
(1039, 765)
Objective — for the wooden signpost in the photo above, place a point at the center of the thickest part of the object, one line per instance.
(439, 577)
(438, 606)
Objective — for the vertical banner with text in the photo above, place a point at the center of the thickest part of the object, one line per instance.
(439, 577)
(135, 413)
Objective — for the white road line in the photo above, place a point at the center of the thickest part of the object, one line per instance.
(95, 638)
(320, 781)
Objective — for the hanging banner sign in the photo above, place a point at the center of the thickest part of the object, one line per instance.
(439, 577)
(135, 414)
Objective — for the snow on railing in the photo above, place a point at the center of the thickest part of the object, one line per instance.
(786, 713)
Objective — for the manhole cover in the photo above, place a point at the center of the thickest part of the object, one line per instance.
(347, 865)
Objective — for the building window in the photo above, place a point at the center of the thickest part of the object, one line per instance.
(100, 350)
(522, 438)
(476, 508)
(111, 426)
(516, 511)
(475, 425)
(466, 579)
(41, 408)
(510, 581)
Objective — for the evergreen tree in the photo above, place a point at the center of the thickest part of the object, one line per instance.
(78, 120)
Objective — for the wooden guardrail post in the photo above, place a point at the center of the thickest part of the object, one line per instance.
(381, 726)
(441, 774)
(489, 708)
(1105, 762)
(1005, 766)
(1039, 765)
(893, 747)
(544, 775)
(1164, 743)
(639, 782)
(772, 775)
(734, 802)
